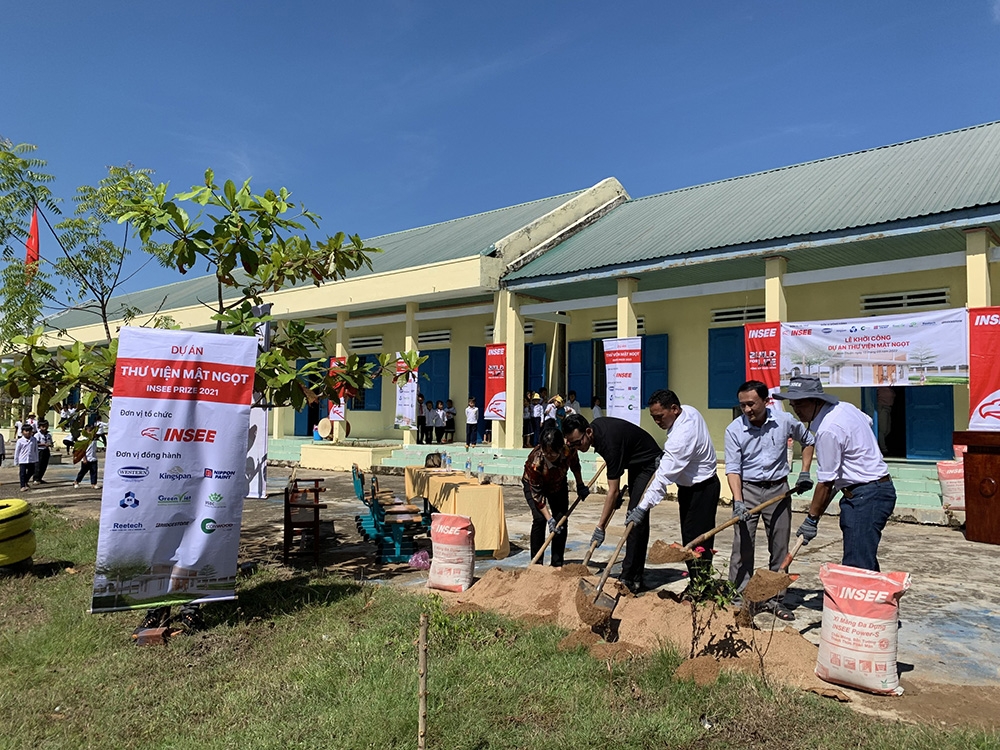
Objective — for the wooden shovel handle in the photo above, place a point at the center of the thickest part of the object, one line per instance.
(735, 520)
(791, 555)
(612, 561)
(590, 553)
(562, 521)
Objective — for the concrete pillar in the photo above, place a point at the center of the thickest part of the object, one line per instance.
(410, 338)
(340, 350)
(628, 325)
(977, 266)
(775, 308)
(508, 327)
(278, 416)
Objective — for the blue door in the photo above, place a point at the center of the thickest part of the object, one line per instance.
(437, 385)
(535, 359)
(477, 390)
(579, 365)
(930, 419)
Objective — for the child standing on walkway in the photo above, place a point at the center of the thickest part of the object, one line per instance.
(26, 455)
(45, 443)
(449, 421)
(89, 464)
(471, 423)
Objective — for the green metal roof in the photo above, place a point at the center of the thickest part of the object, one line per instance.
(436, 243)
(906, 181)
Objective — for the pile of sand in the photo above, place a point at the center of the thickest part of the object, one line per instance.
(541, 595)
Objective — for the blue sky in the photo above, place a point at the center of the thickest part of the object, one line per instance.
(387, 115)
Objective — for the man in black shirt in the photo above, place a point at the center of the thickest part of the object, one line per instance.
(622, 445)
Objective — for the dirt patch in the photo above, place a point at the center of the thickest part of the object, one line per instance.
(661, 553)
(767, 584)
(583, 637)
(574, 570)
(596, 614)
(704, 670)
(619, 651)
(464, 608)
(539, 595)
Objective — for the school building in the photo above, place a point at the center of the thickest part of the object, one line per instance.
(911, 226)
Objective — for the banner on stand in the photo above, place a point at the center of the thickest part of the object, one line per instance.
(406, 396)
(338, 410)
(623, 366)
(928, 348)
(496, 382)
(174, 476)
(984, 368)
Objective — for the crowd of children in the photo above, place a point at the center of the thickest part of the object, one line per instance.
(34, 445)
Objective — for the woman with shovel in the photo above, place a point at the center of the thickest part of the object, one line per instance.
(547, 492)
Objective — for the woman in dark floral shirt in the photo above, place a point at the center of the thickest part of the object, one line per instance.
(547, 492)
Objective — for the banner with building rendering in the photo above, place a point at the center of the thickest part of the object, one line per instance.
(984, 368)
(929, 348)
(496, 382)
(623, 367)
(174, 475)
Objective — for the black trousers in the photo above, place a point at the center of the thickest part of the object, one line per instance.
(638, 540)
(25, 472)
(439, 433)
(471, 434)
(698, 504)
(421, 429)
(87, 466)
(42, 465)
(558, 506)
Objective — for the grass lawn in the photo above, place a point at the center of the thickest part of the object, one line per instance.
(307, 660)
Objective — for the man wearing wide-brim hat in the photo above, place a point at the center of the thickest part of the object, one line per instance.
(850, 462)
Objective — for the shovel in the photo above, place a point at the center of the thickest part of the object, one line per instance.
(618, 504)
(661, 553)
(766, 584)
(592, 604)
(562, 521)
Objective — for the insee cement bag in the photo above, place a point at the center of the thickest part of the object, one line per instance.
(453, 540)
(860, 623)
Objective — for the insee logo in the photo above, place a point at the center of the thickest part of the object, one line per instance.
(991, 319)
(762, 333)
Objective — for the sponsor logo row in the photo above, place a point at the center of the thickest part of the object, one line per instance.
(130, 501)
(173, 474)
(207, 525)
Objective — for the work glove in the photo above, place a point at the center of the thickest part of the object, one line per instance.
(740, 511)
(552, 525)
(598, 536)
(804, 483)
(583, 492)
(808, 529)
(637, 515)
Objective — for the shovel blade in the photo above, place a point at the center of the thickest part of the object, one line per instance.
(594, 608)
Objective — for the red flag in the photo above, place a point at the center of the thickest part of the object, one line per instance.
(31, 257)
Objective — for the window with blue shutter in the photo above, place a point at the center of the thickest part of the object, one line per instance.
(654, 365)
(726, 366)
(580, 373)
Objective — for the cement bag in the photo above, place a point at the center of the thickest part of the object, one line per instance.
(951, 474)
(857, 645)
(453, 542)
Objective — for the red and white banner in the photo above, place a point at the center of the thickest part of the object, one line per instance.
(337, 409)
(984, 368)
(175, 475)
(927, 348)
(496, 382)
(763, 345)
(623, 366)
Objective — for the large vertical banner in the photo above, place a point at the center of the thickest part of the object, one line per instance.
(763, 344)
(496, 382)
(174, 480)
(338, 410)
(623, 365)
(984, 368)
(406, 396)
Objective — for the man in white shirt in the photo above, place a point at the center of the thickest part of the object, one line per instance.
(849, 462)
(689, 462)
